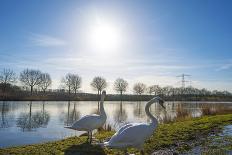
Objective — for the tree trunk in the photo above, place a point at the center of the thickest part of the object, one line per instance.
(44, 94)
(4, 91)
(121, 95)
(31, 89)
(69, 92)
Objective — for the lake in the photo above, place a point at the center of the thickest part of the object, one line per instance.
(25, 122)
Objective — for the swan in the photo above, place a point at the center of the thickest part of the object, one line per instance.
(135, 134)
(90, 122)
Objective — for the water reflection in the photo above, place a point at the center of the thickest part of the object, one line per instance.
(139, 110)
(47, 119)
(5, 109)
(120, 115)
(71, 115)
(30, 121)
(95, 111)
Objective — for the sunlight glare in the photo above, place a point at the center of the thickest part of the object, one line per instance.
(104, 36)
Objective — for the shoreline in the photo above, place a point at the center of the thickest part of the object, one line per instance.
(205, 101)
(55, 96)
(187, 101)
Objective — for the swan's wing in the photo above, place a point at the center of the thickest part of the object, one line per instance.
(88, 122)
(131, 136)
(126, 126)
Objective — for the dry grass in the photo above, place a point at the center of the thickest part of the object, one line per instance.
(215, 110)
(182, 113)
(106, 127)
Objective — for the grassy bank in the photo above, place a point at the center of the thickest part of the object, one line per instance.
(177, 134)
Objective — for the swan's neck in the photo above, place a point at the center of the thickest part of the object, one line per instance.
(154, 121)
(102, 110)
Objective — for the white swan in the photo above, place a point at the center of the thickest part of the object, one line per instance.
(134, 134)
(90, 122)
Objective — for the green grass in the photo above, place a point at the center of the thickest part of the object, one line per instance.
(177, 134)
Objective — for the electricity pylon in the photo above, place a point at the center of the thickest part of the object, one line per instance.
(183, 81)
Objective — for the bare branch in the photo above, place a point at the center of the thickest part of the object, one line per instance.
(7, 76)
(98, 83)
(75, 82)
(139, 88)
(120, 85)
(45, 81)
(30, 78)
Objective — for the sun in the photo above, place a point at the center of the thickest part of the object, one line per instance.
(104, 36)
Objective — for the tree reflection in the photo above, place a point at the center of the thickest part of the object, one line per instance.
(138, 110)
(120, 115)
(29, 121)
(4, 110)
(72, 115)
(43, 117)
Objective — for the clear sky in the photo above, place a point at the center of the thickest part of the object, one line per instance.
(141, 41)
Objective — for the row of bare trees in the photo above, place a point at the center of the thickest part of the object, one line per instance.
(30, 78)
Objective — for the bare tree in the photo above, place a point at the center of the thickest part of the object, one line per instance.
(139, 88)
(45, 81)
(98, 83)
(7, 76)
(75, 82)
(30, 78)
(120, 85)
(67, 82)
(152, 89)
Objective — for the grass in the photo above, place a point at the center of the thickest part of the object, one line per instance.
(177, 134)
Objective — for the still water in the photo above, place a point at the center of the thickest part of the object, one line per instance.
(35, 122)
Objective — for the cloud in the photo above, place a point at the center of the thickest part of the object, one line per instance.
(225, 67)
(213, 84)
(46, 40)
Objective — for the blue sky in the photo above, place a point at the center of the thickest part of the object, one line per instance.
(155, 40)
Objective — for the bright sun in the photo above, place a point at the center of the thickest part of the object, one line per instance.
(104, 36)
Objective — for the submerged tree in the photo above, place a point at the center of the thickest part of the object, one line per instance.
(30, 78)
(45, 81)
(7, 77)
(120, 85)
